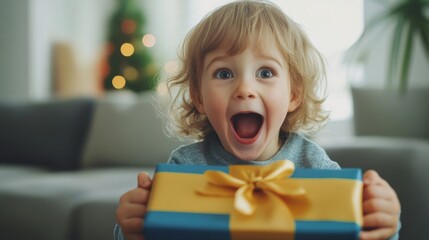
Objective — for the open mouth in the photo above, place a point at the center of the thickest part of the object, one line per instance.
(247, 125)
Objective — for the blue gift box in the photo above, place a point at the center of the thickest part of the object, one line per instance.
(330, 208)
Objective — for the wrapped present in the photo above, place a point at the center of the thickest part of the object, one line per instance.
(253, 202)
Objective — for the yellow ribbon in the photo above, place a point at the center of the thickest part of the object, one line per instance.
(260, 198)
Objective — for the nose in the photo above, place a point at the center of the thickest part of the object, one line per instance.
(245, 90)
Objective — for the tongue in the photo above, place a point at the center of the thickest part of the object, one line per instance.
(247, 125)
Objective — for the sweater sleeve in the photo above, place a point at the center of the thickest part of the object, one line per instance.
(396, 235)
(117, 233)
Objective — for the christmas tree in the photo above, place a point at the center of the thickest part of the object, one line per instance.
(129, 64)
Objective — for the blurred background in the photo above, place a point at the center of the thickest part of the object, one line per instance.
(61, 48)
(77, 116)
(70, 48)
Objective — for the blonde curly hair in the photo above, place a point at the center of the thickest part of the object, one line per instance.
(238, 23)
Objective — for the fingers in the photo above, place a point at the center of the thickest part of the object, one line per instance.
(375, 205)
(380, 213)
(378, 234)
(379, 220)
(380, 206)
(132, 226)
(132, 208)
(379, 225)
(377, 188)
(144, 180)
(128, 208)
(372, 177)
(130, 212)
(378, 191)
(137, 195)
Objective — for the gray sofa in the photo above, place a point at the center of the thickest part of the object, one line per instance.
(64, 165)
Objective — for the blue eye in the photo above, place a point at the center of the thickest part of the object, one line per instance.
(264, 73)
(223, 74)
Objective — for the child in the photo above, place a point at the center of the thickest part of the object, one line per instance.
(249, 81)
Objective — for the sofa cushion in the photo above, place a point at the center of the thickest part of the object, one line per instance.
(126, 131)
(55, 205)
(49, 134)
(14, 172)
(378, 112)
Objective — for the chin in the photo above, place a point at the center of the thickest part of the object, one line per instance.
(246, 157)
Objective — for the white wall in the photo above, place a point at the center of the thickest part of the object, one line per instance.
(29, 28)
(14, 38)
(79, 23)
(166, 19)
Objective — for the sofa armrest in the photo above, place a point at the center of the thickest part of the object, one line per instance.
(404, 163)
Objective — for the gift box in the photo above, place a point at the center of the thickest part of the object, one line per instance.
(253, 202)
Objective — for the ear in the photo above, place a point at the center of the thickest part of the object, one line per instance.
(199, 105)
(295, 100)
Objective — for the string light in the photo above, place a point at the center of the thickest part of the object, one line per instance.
(127, 49)
(118, 82)
(149, 40)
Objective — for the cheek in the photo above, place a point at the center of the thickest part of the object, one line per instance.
(215, 111)
(216, 105)
(280, 97)
(214, 102)
(280, 107)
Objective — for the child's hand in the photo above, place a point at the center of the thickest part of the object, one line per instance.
(132, 207)
(381, 208)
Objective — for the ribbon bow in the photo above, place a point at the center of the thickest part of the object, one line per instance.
(245, 182)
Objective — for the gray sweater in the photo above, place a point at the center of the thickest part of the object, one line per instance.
(303, 152)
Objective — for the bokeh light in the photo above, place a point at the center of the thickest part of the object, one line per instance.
(118, 82)
(127, 49)
(171, 67)
(131, 73)
(151, 69)
(149, 40)
(162, 89)
(128, 26)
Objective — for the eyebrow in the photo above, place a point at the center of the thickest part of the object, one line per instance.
(264, 56)
(215, 59)
(258, 55)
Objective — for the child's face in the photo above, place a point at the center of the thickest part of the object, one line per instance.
(246, 98)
